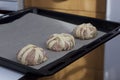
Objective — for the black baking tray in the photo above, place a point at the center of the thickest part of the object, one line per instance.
(111, 29)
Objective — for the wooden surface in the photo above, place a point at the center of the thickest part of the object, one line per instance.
(84, 5)
(82, 13)
(93, 8)
(89, 67)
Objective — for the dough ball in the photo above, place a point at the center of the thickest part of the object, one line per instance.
(61, 42)
(85, 31)
(31, 55)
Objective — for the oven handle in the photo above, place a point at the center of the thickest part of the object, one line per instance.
(4, 16)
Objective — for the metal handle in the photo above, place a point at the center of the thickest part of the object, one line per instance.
(59, 0)
(4, 16)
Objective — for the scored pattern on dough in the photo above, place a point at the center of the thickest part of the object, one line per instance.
(61, 42)
(85, 31)
(31, 55)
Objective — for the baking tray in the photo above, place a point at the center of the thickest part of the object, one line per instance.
(34, 26)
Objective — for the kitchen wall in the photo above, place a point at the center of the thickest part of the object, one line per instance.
(20, 4)
(112, 48)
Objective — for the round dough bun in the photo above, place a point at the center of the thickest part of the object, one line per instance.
(61, 42)
(85, 31)
(31, 55)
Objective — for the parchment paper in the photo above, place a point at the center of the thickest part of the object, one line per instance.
(35, 29)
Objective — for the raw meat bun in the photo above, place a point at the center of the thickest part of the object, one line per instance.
(85, 31)
(31, 55)
(61, 42)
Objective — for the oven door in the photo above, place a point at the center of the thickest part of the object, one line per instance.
(9, 5)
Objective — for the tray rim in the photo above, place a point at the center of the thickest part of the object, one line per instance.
(62, 61)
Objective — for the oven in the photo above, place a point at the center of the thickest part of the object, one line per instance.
(7, 6)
